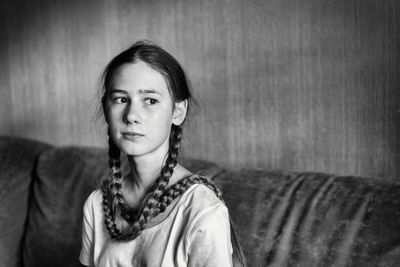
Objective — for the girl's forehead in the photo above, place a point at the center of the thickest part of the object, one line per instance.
(138, 76)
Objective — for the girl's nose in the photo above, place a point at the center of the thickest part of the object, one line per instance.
(132, 114)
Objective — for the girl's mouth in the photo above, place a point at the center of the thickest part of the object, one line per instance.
(132, 136)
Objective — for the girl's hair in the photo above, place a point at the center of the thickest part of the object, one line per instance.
(122, 222)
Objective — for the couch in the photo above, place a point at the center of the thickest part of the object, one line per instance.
(282, 218)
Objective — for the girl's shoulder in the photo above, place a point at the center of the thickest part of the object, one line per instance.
(202, 195)
(199, 199)
(205, 214)
(95, 195)
(93, 200)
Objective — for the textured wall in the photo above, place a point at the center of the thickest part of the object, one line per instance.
(297, 85)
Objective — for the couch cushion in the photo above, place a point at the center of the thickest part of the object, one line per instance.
(17, 159)
(310, 219)
(66, 176)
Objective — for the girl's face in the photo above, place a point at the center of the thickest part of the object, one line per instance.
(139, 110)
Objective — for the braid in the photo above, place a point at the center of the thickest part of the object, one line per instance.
(131, 223)
(113, 203)
(180, 187)
(111, 188)
(149, 207)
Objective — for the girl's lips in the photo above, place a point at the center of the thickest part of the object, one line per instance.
(132, 133)
(132, 136)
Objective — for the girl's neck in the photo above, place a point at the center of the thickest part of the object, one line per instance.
(144, 171)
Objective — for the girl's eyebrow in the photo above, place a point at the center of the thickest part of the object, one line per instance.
(149, 91)
(115, 90)
(141, 91)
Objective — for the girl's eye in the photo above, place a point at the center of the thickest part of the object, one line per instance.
(119, 100)
(150, 101)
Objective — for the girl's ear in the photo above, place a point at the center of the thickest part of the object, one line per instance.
(180, 111)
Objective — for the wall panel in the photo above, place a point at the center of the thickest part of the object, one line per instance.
(292, 84)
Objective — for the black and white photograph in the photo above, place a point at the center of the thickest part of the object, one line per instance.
(200, 133)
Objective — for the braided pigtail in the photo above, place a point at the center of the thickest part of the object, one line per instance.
(150, 205)
(111, 188)
(180, 187)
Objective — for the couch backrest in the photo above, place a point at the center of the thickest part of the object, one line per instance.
(65, 177)
(314, 219)
(17, 160)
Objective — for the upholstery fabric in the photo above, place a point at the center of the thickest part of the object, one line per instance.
(17, 160)
(66, 177)
(311, 219)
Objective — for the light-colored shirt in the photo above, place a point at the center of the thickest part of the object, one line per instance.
(196, 232)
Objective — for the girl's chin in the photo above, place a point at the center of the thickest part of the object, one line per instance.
(131, 149)
(137, 149)
(133, 152)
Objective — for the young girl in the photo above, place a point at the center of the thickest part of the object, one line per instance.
(160, 214)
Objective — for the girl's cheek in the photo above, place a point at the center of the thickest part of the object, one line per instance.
(115, 114)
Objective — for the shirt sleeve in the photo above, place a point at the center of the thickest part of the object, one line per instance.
(209, 242)
(86, 255)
